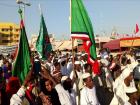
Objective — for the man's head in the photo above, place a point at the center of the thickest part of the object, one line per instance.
(77, 65)
(48, 84)
(88, 80)
(66, 82)
(87, 68)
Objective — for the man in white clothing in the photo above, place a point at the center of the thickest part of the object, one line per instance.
(63, 94)
(88, 93)
(75, 76)
(121, 83)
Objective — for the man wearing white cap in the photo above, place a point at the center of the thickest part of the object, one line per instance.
(77, 73)
(70, 65)
(67, 84)
(63, 64)
(75, 76)
(121, 83)
(63, 94)
(83, 61)
(88, 93)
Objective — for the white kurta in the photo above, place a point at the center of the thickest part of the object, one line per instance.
(64, 95)
(69, 67)
(80, 84)
(88, 97)
(120, 96)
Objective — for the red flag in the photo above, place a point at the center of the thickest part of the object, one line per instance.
(137, 29)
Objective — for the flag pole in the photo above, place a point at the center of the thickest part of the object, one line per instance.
(131, 47)
(71, 38)
(40, 10)
(74, 72)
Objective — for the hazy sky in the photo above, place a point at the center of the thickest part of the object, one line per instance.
(104, 14)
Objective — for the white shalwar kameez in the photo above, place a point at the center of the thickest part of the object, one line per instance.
(64, 96)
(88, 97)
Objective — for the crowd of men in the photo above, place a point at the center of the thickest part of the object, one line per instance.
(66, 79)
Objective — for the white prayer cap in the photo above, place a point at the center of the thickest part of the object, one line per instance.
(79, 53)
(83, 54)
(98, 55)
(125, 73)
(77, 62)
(86, 75)
(130, 89)
(106, 56)
(61, 60)
(64, 78)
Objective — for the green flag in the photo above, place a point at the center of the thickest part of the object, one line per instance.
(81, 28)
(43, 45)
(22, 63)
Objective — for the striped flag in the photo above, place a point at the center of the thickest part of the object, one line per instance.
(81, 28)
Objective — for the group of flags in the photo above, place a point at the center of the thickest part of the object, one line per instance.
(81, 28)
(23, 62)
(115, 35)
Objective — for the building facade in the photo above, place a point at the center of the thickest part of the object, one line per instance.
(9, 34)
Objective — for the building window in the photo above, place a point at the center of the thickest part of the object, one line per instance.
(2, 29)
(16, 30)
(6, 41)
(6, 29)
(11, 28)
(10, 35)
(5, 35)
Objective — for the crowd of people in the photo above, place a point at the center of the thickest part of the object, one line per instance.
(68, 79)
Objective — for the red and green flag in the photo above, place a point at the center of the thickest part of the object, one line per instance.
(43, 45)
(81, 28)
(136, 29)
(22, 64)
